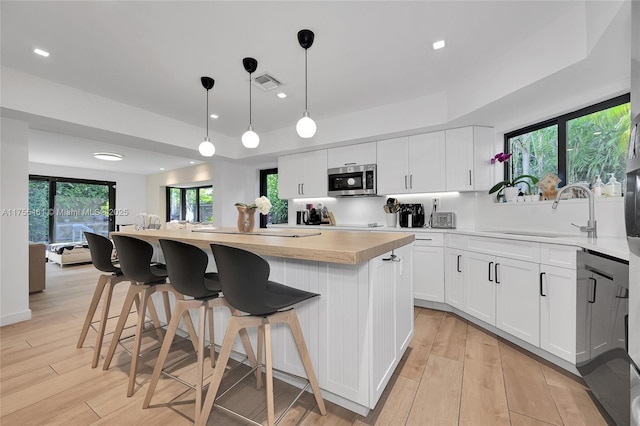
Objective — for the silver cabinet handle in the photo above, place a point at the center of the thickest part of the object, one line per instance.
(411, 181)
(405, 182)
(458, 265)
(302, 186)
(469, 177)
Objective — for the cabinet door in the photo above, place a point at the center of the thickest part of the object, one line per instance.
(289, 176)
(352, 155)
(479, 287)
(428, 272)
(459, 159)
(404, 296)
(517, 299)
(602, 294)
(314, 173)
(558, 311)
(454, 278)
(426, 168)
(393, 177)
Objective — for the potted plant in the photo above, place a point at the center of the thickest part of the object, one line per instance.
(510, 186)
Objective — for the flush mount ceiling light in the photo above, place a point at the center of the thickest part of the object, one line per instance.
(206, 148)
(108, 156)
(40, 52)
(438, 44)
(306, 127)
(250, 139)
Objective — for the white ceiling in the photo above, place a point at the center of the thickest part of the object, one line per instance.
(151, 54)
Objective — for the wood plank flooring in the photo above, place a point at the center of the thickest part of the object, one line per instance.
(453, 373)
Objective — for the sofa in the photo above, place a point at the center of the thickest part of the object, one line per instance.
(68, 253)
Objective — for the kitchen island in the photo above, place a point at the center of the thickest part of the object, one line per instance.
(359, 327)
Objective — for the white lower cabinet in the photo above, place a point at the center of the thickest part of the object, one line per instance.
(479, 286)
(558, 311)
(454, 278)
(428, 271)
(517, 299)
(534, 300)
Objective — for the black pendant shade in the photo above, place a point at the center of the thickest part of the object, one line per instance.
(250, 65)
(305, 38)
(207, 82)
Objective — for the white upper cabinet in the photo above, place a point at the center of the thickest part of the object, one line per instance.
(303, 175)
(352, 155)
(392, 166)
(411, 164)
(467, 159)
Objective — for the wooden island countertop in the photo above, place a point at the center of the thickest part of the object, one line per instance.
(346, 247)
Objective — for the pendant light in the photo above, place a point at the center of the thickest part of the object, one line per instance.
(250, 139)
(206, 148)
(306, 127)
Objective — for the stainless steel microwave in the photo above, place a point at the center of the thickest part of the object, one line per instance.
(352, 180)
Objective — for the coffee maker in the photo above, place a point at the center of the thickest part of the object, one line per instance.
(411, 215)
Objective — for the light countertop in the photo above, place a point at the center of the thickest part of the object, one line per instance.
(344, 246)
(612, 246)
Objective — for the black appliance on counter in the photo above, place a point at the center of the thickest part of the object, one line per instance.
(411, 215)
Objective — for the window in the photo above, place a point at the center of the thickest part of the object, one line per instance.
(577, 147)
(61, 209)
(269, 188)
(190, 204)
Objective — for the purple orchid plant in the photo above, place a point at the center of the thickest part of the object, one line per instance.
(502, 157)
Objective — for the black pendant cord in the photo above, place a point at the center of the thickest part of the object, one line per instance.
(249, 99)
(305, 80)
(207, 113)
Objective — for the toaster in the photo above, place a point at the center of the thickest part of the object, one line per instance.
(443, 220)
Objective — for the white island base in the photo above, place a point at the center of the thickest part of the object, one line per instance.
(356, 331)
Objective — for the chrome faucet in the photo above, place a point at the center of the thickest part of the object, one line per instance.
(591, 229)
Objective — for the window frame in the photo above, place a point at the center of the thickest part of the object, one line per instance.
(561, 122)
(183, 202)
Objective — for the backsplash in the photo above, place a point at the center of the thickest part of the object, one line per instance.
(476, 210)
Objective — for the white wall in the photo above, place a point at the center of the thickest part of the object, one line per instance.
(130, 189)
(14, 227)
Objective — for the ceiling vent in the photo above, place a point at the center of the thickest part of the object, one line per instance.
(266, 82)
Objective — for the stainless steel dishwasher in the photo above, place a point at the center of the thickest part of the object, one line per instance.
(602, 331)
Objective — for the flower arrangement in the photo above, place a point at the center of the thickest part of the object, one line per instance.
(261, 203)
(502, 157)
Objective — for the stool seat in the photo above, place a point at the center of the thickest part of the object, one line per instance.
(186, 266)
(101, 249)
(135, 261)
(244, 277)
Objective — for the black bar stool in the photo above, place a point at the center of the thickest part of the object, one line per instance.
(135, 260)
(101, 250)
(186, 266)
(244, 277)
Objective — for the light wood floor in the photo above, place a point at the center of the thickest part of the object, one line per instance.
(453, 373)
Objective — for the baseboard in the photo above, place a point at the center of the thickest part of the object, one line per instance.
(14, 318)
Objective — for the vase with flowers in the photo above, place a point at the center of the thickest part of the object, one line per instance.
(246, 213)
(509, 187)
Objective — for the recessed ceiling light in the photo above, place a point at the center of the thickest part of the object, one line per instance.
(108, 156)
(161, 168)
(213, 116)
(40, 52)
(192, 162)
(438, 44)
(281, 95)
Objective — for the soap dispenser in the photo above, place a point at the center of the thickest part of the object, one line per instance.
(598, 187)
(613, 187)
